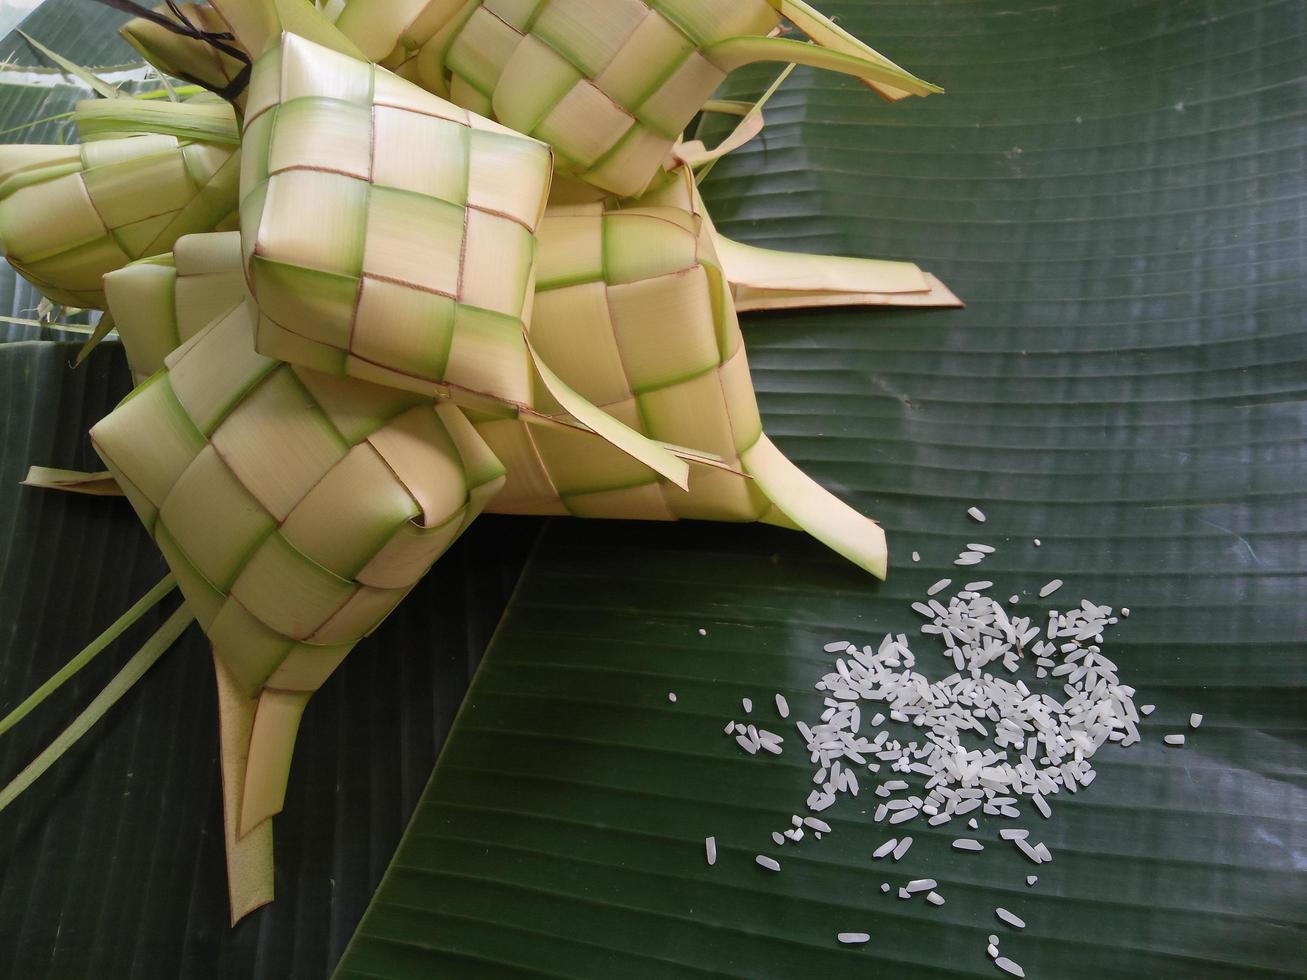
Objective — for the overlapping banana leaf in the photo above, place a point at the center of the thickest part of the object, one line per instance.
(1117, 190)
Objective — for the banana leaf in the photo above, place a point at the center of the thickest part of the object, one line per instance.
(1117, 190)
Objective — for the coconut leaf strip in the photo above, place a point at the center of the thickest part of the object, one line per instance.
(126, 679)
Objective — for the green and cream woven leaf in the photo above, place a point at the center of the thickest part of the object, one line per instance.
(389, 234)
(612, 85)
(146, 174)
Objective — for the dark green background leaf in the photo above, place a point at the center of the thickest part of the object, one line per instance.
(1117, 190)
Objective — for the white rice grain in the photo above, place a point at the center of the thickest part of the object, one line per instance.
(976, 514)
(1049, 588)
(710, 849)
(1015, 921)
(771, 864)
(782, 706)
(1009, 967)
(1174, 740)
(853, 938)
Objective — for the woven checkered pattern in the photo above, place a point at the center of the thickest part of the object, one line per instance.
(633, 312)
(414, 267)
(296, 509)
(611, 86)
(70, 214)
(161, 302)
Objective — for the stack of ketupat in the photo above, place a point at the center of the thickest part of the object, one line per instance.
(467, 268)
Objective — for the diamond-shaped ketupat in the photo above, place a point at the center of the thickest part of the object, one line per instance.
(69, 214)
(610, 84)
(388, 234)
(295, 509)
(634, 311)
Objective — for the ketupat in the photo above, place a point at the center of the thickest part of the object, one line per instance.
(296, 510)
(634, 311)
(633, 350)
(388, 234)
(146, 174)
(195, 59)
(163, 301)
(610, 85)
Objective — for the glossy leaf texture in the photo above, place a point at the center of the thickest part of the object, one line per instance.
(1117, 191)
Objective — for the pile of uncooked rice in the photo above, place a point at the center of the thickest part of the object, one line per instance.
(981, 744)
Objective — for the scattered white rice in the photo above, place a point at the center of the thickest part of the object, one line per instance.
(703, 632)
(1038, 542)
(1147, 709)
(976, 514)
(671, 696)
(916, 556)
(853, 938)
(978, 739)
(710, 849)
(884, 886)
(1195, 720)
(748, 705)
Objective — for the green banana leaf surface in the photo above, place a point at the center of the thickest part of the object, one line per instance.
(1117, 191)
